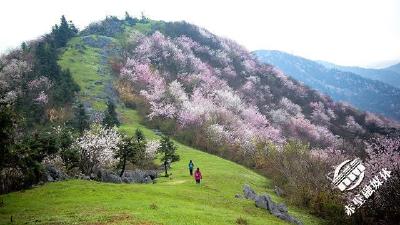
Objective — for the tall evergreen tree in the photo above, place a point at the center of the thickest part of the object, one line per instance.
(46, 61)
(131, 149)
(110, 115)
(64, 32)
(64, 87)
(168, 148)
(7, 126)
(81, 120)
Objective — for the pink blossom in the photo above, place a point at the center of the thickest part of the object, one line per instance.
(219, 135)
(161, 109)
(177, 92)
(318, 114)
(42, 83)
(137, 72)
(15, 69)
(371, 118)
(227, 99)
(383, 152)
(290, 107)
(352, 125)
(42, 98)
(197, 110)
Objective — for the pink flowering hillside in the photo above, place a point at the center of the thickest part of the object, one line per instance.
(215, 89)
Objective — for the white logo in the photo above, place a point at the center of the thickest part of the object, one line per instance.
(348, 174)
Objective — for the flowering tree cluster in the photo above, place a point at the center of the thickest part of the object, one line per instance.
(353, 126)
(383, 152)
(214, 85)
(11, 73)
(152, 148)
(320, 115)
(97, 148)
(39, 87)
(163, 69)
(18, 83)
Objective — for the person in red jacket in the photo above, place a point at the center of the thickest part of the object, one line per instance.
(197, 176)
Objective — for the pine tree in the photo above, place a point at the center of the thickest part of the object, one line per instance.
(7, 130)
(110, 115)
(64, 32)
(168, 148)
(131, 149)
(81, 122)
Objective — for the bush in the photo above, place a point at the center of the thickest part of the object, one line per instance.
(153, 206)
(241, 221)
(111, 26)
(383, 207)
(303, 179)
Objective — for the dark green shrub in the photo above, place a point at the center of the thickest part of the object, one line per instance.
(241, 221)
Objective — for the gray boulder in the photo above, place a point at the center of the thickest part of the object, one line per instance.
(108, 177)
(265, 202)
(139, 176)
(147, 180)
(281, 208)
(249, 193)
(52, 173)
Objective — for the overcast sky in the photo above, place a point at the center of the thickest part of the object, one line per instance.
(346, 32)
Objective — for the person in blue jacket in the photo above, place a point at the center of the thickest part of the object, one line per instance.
(191, 166)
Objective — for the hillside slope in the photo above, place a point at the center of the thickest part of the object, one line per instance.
(177, 199)
(363, 93)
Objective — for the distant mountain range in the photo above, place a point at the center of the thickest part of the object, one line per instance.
(394, 68)
(367, 89)
(389, 75)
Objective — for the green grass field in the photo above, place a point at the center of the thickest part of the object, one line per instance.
(176, 200)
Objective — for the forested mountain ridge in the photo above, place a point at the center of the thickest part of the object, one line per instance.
(363, 93)
(389, 75)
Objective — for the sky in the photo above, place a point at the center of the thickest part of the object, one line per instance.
(346, 32)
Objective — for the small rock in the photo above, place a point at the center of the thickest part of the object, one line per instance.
(49, 178)
(278, 191)
(238, 196)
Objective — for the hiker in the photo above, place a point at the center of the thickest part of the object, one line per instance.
(197, 176)
(191, 165)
